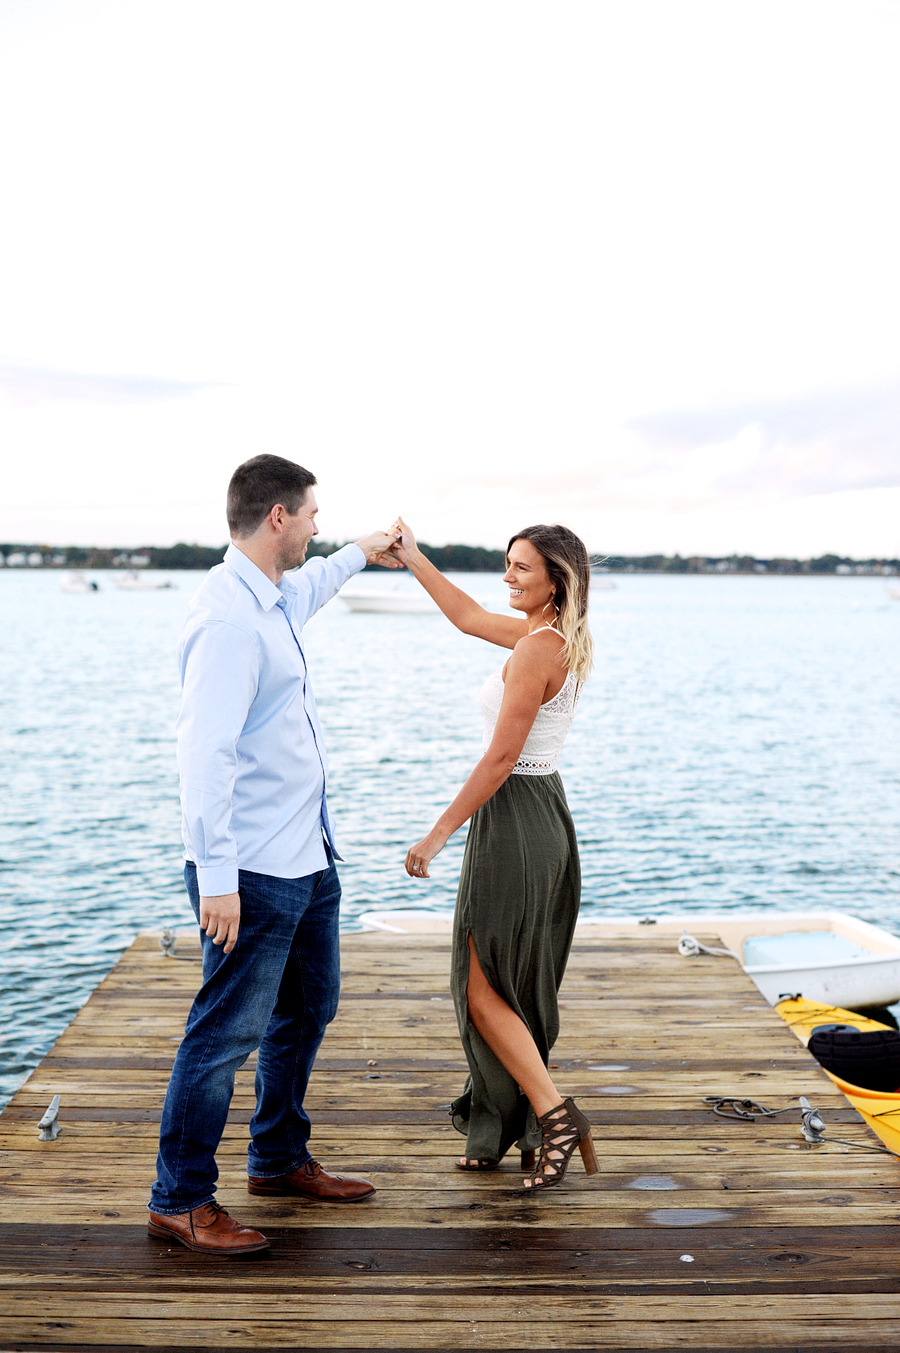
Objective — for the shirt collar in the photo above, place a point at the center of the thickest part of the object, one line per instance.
(265, 591)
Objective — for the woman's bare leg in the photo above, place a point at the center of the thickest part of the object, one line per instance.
(508, 1039)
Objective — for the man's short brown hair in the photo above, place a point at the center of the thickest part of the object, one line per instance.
(260, 483)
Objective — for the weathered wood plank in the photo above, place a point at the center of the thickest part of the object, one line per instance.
(443, 1260)
(810, 1331)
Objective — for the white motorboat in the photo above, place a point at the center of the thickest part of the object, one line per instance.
(823, 956)
(77, 582)
(387, 601)
(133, 581)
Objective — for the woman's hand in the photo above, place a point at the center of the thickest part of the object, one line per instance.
(405, 547)
(419, 856)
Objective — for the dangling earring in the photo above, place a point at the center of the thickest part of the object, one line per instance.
(552, 603)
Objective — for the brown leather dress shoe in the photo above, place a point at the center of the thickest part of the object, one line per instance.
(311, 1181)
(208, 1229)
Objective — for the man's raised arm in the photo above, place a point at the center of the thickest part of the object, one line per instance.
(322, 578)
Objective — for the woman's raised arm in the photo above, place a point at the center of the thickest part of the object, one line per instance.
(459, 608)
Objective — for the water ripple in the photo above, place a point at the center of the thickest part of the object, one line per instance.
(738, 747)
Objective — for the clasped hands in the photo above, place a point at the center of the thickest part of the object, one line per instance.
(387, 548)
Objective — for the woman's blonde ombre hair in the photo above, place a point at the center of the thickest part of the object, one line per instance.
(569, 568)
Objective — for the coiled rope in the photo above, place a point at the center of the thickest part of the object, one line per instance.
(689, 947)
(812, 1124)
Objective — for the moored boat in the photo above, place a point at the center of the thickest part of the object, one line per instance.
(388, 602)
(135, 582)
(77, 582)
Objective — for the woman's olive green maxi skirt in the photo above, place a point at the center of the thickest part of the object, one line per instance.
(519, 893)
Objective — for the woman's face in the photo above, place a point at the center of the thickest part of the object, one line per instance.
(526, 575)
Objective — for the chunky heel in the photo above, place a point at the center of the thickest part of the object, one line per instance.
(589, 1155)
(527, 1160)
(562, 1129)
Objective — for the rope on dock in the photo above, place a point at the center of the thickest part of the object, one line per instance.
(742, 1110)
(689, 947)
(812, 1124)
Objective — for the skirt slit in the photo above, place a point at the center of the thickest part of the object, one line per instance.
(519, 893)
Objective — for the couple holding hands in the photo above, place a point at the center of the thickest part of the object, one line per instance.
(260, 858)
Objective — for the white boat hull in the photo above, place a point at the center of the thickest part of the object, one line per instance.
(142, 585)
(394, 603)
(75, 582)
(859, 983)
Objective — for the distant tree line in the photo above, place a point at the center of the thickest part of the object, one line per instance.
(743, 563)
(459, 558)
(77, 556)
(448, 558)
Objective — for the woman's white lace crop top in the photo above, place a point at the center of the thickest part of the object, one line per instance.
(540, 755)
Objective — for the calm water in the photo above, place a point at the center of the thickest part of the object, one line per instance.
(737, 747)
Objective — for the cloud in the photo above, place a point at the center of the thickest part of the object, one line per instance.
(27, 386)
(767, 450)
(749, 455)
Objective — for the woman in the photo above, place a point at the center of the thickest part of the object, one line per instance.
(519, 889)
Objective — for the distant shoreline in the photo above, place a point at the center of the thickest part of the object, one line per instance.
(450, 559)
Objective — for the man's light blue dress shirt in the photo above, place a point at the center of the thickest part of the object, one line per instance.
(250, 750)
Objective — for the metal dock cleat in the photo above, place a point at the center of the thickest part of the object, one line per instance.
(811, 1121)
(168, 941)
(49, 1128)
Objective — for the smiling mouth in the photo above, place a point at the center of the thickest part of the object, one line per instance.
(515, 591)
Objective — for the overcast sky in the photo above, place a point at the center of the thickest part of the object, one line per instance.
(626, 264)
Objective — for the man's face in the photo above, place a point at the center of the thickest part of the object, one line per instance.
(298, 532)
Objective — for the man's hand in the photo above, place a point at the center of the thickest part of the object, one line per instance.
(220, 917)
(376, 546)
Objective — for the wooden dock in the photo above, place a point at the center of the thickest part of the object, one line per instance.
(698, 1233)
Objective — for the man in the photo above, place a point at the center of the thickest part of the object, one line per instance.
(259, 860)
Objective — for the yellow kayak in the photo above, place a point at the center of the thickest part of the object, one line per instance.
(880, 1110)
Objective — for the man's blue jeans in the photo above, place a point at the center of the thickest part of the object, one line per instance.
(277, 990)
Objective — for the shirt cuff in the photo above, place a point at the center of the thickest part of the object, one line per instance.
(353, 556)
(217, 880)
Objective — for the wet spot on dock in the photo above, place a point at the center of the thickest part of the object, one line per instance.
(615, 1090)
(653, 1181)
(689, 1216)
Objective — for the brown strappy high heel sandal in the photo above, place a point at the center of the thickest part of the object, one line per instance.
(562, 1129)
